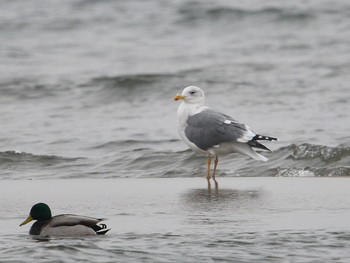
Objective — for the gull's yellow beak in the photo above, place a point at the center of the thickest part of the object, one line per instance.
(179, 97)
(30, 218)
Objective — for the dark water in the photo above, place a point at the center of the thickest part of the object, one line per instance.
(86, 86)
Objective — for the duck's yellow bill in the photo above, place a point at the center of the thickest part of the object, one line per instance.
(179, 97)
(27, 220)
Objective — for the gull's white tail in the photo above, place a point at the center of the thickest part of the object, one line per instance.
(247, 150)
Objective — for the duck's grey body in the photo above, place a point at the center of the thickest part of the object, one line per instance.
(68, 225)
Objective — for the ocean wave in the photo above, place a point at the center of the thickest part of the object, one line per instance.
(302, 160)
(310, 160)
(22, 165)
(137, 87)
(155, 81)
(129, 81)
(156, 159)
(17, 156)
(312, 172)
(29, 89)
(133, 145)
(107, 88)
(195, 11)
(327, 154)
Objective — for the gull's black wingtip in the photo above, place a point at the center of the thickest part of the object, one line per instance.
(256, 144)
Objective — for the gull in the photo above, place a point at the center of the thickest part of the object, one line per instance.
(213, 133)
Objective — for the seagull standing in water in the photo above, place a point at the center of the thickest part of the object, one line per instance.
(213, 133)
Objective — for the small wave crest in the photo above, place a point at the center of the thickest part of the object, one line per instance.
(20, 165)
(305, 160)
(327, 154)
(129, 81)
(30, 89)
(192, 12)
(18, 156)
(311, 172)
(110, 88)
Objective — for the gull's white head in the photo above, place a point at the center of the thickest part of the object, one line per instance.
(191, 94)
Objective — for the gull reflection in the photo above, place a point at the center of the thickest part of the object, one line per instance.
(221, 199)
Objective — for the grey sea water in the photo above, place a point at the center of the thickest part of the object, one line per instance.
(86, 92)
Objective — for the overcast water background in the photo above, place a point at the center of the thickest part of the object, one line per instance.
(86, 92)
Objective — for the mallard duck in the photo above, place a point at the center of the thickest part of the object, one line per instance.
(62, 225)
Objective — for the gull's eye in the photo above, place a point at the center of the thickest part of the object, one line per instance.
(192, 92)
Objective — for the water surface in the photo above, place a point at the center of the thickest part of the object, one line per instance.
(176, 219)
(86, 92)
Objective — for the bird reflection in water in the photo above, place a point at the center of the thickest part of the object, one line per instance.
(221, 199)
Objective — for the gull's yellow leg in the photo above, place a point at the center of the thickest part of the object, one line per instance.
(208, 172)
(214, 171)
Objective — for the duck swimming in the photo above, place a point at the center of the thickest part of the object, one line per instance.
(62, 225)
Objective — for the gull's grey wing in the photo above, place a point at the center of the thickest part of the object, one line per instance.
(72, 220)
(209, 128)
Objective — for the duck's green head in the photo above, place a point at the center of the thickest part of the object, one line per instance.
(40, 212)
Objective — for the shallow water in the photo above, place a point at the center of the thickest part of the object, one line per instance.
(176, 219)
(86, 92)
